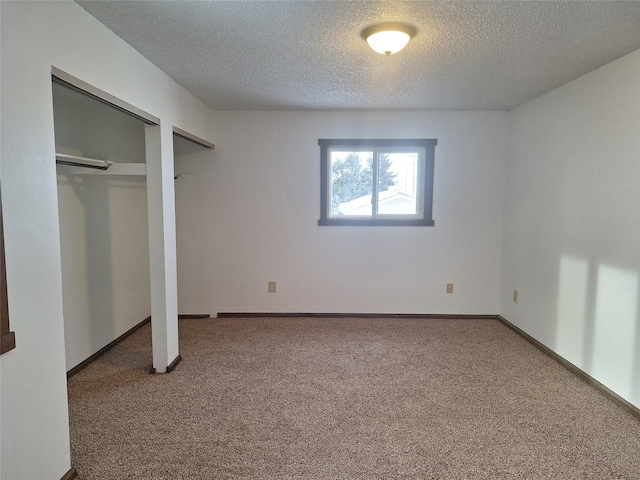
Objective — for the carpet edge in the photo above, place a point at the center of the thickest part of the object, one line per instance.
(607, 392)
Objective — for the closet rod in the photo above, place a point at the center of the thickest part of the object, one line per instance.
(73, 161)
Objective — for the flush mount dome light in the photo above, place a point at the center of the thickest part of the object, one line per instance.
(388, 38)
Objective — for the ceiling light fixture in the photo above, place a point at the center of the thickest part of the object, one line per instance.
(388, 38)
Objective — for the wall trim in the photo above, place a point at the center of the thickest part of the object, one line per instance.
(106, 348)
(7, 337)
(129, 332)
(70, 475)
(63, 78)
(192, 138)
(170, 367)
(7, 342)
(174, 364)
(358, 315)
(628, 406)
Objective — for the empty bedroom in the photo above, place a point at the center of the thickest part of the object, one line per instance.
(251, 239)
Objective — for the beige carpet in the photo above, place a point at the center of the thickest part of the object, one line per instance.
(318, 398)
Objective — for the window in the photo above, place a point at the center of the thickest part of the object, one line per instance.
(376, 182)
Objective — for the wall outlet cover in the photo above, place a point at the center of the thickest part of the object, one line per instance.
(183, 178)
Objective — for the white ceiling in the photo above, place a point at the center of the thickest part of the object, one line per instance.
(308, 55)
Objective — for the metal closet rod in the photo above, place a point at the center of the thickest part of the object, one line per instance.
(74, 161)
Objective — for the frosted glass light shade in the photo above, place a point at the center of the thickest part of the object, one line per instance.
(388, 38)
(388, 42)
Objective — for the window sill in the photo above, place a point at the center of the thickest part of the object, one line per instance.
(375, 222)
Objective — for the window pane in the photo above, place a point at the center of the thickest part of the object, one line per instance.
(351, 183)
(397, 183)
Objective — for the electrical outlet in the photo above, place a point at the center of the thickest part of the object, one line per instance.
(515, 296)
(272, 287)
(183, 178)
(449, 287)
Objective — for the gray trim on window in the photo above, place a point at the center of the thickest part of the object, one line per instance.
(427, 207)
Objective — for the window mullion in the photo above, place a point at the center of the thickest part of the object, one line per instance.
(374, 194)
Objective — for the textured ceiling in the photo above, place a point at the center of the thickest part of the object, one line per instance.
(295, 55)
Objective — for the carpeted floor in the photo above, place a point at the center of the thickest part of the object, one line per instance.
(350, 398)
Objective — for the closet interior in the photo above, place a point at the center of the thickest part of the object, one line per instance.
(102, 203)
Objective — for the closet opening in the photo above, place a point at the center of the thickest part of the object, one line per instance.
(115, 163)
(103, 214)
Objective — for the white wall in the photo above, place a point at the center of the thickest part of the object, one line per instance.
(571, 244)
(250, 215)
(105, 260)
(34, 36)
